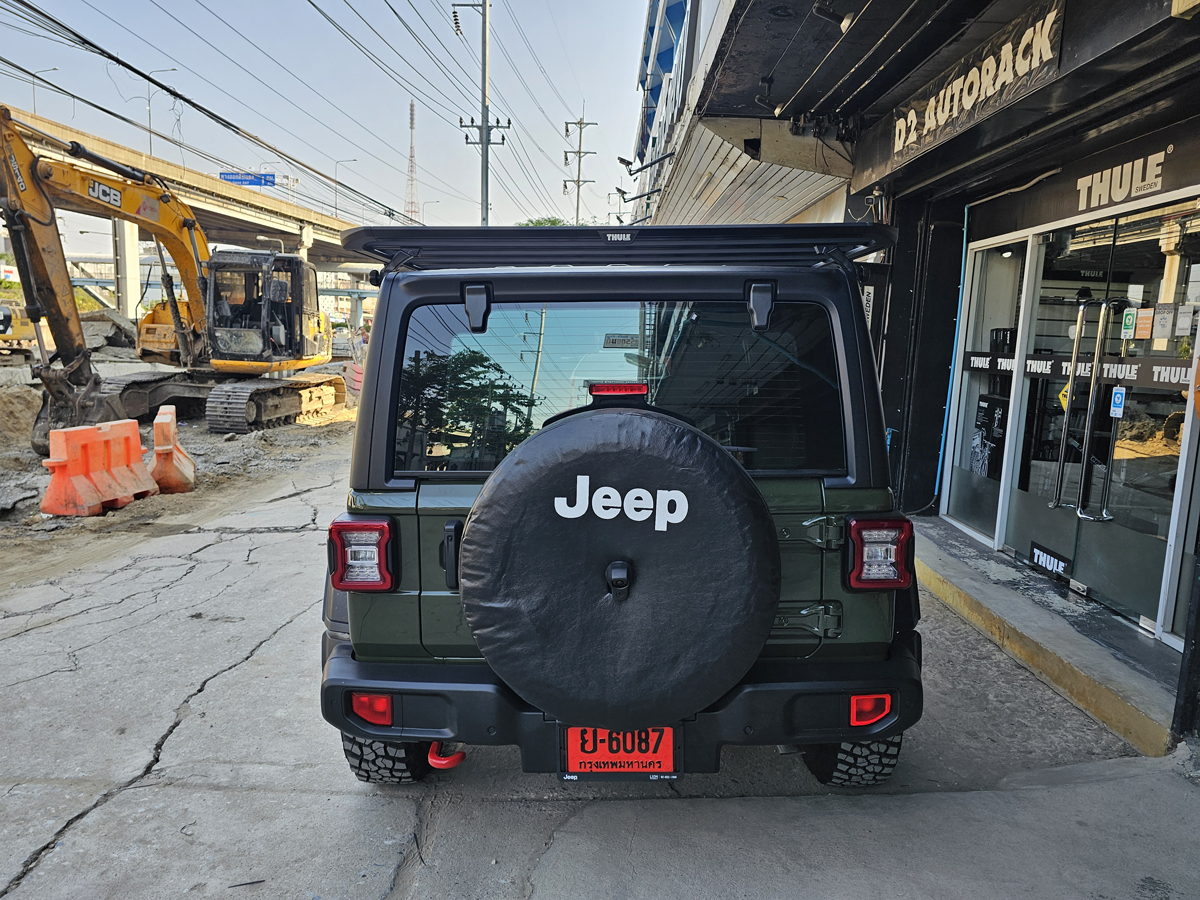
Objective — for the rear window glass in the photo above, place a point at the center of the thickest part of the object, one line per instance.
(772, 398)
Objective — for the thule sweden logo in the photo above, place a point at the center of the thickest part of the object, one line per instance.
(667, 507)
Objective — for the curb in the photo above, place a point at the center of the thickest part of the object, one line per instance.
(1145, 732)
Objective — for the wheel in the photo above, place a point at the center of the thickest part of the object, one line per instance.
(854, 763)
(381, 762)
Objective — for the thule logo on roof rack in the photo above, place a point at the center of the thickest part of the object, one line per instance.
(616, 236)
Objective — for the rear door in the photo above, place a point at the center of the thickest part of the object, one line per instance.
(772, 399)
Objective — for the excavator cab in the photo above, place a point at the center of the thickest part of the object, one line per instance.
(263, 308)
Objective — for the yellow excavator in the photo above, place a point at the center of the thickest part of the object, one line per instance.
(244, 314)
(16, 334)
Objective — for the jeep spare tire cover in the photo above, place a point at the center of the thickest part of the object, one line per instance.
(620, 485)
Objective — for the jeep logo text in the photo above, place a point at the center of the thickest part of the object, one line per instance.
(667, 507)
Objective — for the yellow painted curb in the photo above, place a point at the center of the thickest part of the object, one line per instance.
(1147, 735)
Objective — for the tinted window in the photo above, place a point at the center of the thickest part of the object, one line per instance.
(772, 398)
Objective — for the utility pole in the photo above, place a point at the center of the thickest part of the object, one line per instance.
(485, 127)
(579, 181)
(537, 366)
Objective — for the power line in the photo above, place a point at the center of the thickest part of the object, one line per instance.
(196, 151)
(528, 46)
(429, 28)
(563, 44)
(448, 189)
(426, 100)
(397, 53)
(49, 23)
(432, 56)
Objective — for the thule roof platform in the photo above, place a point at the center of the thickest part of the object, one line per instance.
(655, 245)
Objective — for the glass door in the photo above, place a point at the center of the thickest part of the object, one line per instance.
(1104, 402)
(985, 386)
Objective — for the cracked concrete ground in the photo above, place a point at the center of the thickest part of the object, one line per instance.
(162, 737)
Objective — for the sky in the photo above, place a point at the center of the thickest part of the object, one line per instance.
(279, 69)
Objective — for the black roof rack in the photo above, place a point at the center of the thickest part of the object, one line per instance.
(694, 245)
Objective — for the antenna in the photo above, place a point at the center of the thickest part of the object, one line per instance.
(412, 208)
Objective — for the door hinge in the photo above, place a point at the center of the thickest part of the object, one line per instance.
(823, 620)
(827, 532)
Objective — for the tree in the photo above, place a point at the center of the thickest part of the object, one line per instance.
(464, 397)
(544, 220)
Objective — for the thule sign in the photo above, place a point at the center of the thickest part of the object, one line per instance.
(1048, 561)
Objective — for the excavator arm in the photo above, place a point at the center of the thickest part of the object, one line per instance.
(152, 206)
(29, 215)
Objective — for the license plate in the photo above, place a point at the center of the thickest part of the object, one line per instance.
(595, 751)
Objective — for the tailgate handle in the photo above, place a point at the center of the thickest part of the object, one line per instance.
(759, 300)
(477, 298)
(452, 537)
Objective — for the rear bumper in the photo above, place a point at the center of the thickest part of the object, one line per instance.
(778, 702)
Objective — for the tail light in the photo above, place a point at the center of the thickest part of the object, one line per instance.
(375, 708)
(360, 554)
(867, 709)
(880, 553)
(619, 389)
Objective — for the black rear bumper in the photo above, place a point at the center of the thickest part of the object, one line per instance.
(778, 702)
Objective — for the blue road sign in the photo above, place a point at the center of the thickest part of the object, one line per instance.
(250, 179)
(1117, 409)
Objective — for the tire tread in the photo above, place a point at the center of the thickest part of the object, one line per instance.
(854, 763)
(383, 762)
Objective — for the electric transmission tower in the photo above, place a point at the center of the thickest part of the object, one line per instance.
(412, 207)
(579, 181)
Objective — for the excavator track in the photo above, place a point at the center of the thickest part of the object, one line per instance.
(243, 406)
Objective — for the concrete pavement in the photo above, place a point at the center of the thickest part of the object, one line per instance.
(162, 738)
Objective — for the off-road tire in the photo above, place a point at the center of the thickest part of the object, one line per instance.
(381, 762)
(854, 763)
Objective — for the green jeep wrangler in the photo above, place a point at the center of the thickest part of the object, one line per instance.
(620, 497)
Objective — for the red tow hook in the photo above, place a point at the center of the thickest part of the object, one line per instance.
(444, 762)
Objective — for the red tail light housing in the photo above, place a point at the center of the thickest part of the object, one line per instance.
(867, 709)
(360, 557)
(619, 389)
(374, 708)
(879, 553)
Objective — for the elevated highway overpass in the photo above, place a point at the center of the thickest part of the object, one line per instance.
(228, 213)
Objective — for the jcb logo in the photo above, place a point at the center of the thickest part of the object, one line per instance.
(104, 193)
(12, 161)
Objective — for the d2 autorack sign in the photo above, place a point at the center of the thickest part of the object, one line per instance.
(1017, 60)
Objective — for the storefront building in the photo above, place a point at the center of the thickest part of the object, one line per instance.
(1059, 160)
(1040, 160)
(1098, 264)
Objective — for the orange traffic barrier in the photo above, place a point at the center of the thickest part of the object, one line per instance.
(174, 470)
(95, 467)
(352, 373)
